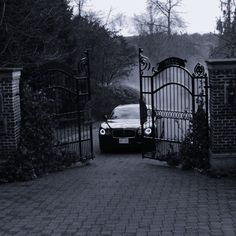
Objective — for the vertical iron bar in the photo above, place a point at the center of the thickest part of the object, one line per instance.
(140, 75)
(193, 95)
(166, 111)
(141, 96)
(153, 116)
(78, 117)
(89, 98)
(206, 102)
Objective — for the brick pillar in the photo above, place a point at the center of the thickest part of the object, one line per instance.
(222, 81)
(10, 114)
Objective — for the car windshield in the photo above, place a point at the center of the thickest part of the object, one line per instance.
(125, 112)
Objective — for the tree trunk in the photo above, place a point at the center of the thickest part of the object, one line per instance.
(169, 24)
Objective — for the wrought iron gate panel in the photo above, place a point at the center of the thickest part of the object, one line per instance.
(172, 94)
(71, 112)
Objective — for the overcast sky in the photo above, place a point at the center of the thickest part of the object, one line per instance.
(199, 15)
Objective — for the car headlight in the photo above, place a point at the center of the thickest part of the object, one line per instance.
(148, 131)
(104, 132)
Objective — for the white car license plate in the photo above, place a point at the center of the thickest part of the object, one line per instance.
(123, 140)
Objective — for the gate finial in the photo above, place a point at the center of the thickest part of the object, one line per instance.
(83, 64)
(144, 62)
(199, 70)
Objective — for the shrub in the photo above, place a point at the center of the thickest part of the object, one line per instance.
(37, 128)
(194, 149)
(36, 153)
(106, 98)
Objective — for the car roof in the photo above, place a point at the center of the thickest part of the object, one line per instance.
(128, 105)
(132, 105)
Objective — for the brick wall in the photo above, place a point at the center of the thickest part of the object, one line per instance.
(222, 78)
(10, 114)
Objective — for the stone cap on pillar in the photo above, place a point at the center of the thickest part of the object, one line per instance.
(226, 63)
(6, 72)
(7, 69)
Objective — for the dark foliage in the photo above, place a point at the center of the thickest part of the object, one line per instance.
(36, 153)
(32, 32)
(106, 98)
(111, 57)
(194, 149)
(37, 128)
(226, 26)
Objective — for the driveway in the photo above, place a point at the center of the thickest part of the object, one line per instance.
(120, 194)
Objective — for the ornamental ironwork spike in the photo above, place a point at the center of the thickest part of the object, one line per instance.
(199, 70)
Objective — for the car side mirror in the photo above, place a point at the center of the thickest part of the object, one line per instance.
(105, 117)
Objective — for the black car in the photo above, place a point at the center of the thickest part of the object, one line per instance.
(122, 128)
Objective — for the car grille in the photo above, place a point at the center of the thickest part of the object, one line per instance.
(117, 133)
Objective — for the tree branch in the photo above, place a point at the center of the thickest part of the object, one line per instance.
(3, 12)
(160, 7)
(5, 47)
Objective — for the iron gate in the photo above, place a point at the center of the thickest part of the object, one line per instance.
(71, 112)
(173, 94)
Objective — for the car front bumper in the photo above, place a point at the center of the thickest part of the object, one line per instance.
(110, 142)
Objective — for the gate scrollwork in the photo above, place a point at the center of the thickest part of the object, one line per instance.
(144, 62)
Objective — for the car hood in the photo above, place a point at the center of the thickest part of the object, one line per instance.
(123, 124)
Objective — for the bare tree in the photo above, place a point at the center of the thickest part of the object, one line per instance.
(80, 6)
(224, 24)
(170, 18)
(148, 23)
(2, 9)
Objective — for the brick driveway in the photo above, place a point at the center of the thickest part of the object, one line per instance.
(120, 195)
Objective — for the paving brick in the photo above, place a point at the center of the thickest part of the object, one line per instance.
(143, 197)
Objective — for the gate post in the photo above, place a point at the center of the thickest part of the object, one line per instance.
(10, 114)
(222, 81)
